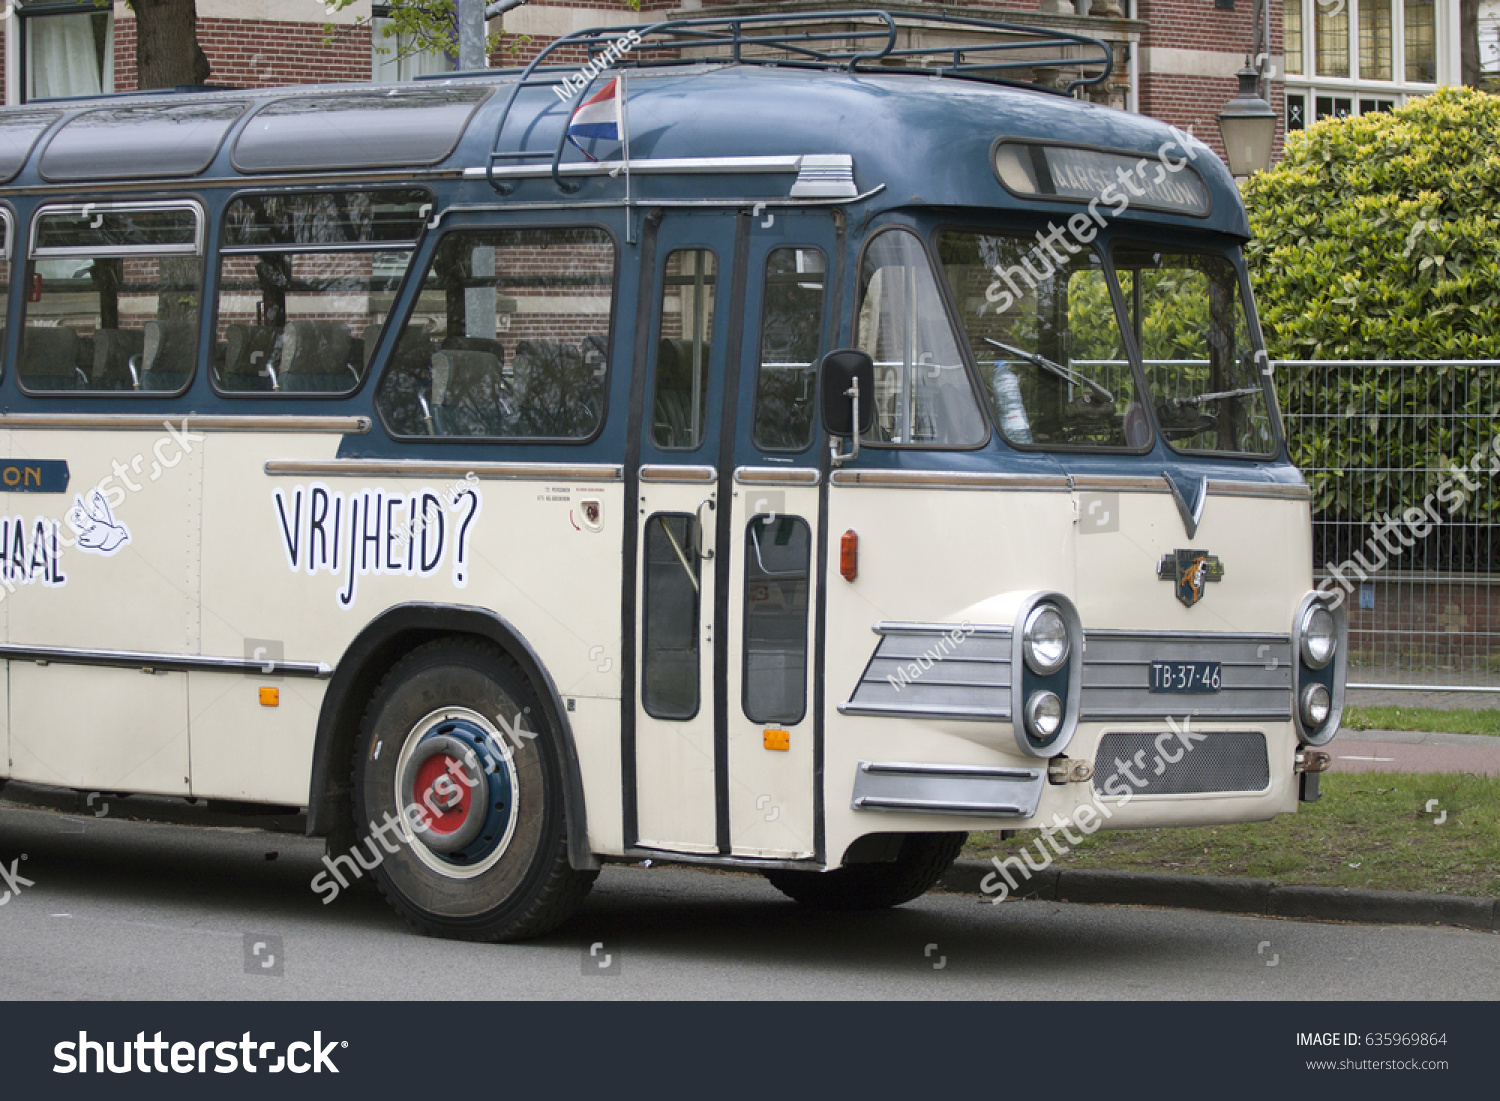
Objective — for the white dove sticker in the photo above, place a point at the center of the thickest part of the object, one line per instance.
(95, 526)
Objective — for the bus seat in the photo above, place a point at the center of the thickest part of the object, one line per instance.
(113, 351)
(49, 358)
(557, 393)
(168, 354)
(407, 383)
(247, 351)
(673, 410)
(315, 357)
(469, 395)
(476, 344)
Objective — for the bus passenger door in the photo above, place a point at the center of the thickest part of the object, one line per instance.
(676, 756)
(772, 538)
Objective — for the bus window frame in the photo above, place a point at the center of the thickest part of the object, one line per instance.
(1127, 335)
(199, 248)
(955, 328)
(1278, 451)
(433, 242)
(220, 251)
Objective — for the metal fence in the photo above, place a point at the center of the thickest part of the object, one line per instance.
(1405, 508)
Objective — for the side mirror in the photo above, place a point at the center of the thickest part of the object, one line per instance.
(846, 392)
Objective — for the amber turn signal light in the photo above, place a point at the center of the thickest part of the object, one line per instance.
(849, 555)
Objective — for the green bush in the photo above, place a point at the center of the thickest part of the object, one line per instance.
(1378, 237)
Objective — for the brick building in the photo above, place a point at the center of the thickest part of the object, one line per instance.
(1177, 59)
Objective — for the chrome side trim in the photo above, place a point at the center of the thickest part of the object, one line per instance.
(777, 476)
(997, 714)
(903, 768)
(887, 627)
(1217, 487)
(967, 790)
(691, 475)
(648, 166)
(150, 662)
(965, 679)
(949, 479)
(1114, 483)
(130, 422)
(404, 468)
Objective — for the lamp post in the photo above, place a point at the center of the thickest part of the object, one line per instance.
(1248, 126)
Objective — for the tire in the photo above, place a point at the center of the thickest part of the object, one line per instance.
(458, 772)
(923, 859)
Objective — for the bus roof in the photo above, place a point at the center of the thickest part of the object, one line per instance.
(704, 131)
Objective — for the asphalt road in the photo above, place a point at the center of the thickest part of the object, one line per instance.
(125, 909)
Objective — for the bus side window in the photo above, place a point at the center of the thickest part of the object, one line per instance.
(684, 340)
(509, 338)
(669, 635)
(923, 396)
(791, 330)
(777, 552)
(115, 298)
(306, 283)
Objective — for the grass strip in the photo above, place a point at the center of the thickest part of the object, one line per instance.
(1370, 829)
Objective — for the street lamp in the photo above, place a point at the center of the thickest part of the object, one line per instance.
(1248, 126)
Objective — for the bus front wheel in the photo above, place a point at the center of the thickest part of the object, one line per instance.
(458, 785)
(921, 862)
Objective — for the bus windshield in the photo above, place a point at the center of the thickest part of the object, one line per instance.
(1202, 367)
(1042, 327)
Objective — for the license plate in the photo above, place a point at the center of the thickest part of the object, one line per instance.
(1186, 676)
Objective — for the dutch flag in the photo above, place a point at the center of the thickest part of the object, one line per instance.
(597, 117)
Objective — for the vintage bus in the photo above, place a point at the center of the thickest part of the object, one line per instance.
(783, 444)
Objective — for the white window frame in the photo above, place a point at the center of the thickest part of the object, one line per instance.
(21, 16)
(1311, 85)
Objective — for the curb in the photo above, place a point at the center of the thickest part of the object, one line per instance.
(1229, 895)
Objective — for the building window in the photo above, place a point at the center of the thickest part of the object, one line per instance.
(69, 50)
(1421, 41)
(1391, 56)
(1291, 23)
(1331, 29)
(396, 56)
(1375, 40)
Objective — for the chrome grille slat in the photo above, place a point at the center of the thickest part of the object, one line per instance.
(1256, 671)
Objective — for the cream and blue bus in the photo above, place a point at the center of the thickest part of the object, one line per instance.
(784, 444)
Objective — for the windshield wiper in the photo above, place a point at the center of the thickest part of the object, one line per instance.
(1064, 373)
(1200, 399)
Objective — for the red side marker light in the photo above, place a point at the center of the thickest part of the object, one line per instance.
(849, 555)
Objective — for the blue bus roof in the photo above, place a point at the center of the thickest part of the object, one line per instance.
(915, 140)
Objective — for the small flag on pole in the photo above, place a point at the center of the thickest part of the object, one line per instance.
(597, 117)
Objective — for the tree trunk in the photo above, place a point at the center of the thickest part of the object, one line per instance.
(166, 44)
(1468, 24)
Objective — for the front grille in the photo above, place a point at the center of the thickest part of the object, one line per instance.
(1257, 675)
(1234, 760)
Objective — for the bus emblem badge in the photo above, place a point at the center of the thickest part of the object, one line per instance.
(1189, 571)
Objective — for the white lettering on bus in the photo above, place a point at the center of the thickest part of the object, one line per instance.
(370, 531)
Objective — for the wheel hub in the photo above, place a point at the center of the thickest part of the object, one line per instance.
(457, 796)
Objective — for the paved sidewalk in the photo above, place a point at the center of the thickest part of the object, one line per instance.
(1415, 751)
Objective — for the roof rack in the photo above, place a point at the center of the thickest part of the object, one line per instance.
(849, 40)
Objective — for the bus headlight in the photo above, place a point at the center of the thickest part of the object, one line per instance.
(1044, 715)
(1045, 642)
(1316, 705)
(1319, 636)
